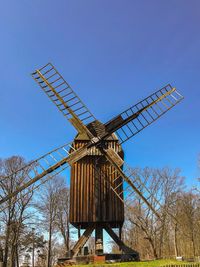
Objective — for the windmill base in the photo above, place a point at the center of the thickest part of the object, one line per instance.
(92, 259)
(74, 256)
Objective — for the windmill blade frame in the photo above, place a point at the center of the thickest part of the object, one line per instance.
(134, 186)
(47, 164)
(35, 186)
(131, 183)
(136, 118)
(62, 95)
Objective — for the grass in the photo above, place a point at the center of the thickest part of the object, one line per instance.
(153, 263)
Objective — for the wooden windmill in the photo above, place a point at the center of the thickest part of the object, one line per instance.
(100, 182)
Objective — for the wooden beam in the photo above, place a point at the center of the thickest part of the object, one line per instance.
(119, 242)
(115, 157)
(82, 240)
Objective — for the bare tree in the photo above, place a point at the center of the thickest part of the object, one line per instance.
(14, 211)
(162, 184)
(188, 217)
(52, 210)
(62, 215)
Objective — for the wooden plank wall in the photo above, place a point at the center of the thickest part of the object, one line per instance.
(91, 199)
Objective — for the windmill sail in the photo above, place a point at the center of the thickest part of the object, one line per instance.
(50, 164)
(133, 185)
(62, 95)
(130, 187)
(136, 118)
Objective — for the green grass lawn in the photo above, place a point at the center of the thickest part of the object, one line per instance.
(154, 263)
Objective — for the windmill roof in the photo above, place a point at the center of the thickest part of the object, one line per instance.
(97, 128)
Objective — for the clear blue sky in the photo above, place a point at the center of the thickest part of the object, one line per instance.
(113, 53)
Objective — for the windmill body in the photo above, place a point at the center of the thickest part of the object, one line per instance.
(100, 179)
(92, 201)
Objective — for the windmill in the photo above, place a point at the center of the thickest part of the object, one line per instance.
(100, 181)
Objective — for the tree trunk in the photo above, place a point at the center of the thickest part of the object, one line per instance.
(6, 244)
(161, 242)
(13, 248)
(153, 248)
(12, 256)
(17, 256)
(175, 241)
(49, 244)
(193, 244)
(67, 241)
